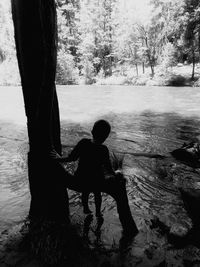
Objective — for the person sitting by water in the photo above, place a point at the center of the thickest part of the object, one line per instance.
(94, 163)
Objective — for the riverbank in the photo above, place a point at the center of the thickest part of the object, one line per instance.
(179, 75)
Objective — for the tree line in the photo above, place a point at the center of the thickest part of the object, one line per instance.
(98, 37)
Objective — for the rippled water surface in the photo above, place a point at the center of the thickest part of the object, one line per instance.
(150, 120)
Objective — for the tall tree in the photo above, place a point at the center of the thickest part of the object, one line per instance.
(192, 11)
(168, 22)
(68, 18)
(35, 36)
(147, 35)
(68, 40)
(96, 34)
(6, 33)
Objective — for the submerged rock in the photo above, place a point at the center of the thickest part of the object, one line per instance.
(188, 153)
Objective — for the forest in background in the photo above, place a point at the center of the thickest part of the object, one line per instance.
(105, 42)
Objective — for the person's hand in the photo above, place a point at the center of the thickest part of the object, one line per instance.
(118, 172)
(119, 175)
(109, 176)
(54, 155)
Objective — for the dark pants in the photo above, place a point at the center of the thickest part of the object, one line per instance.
(114, 187)
(77, 183)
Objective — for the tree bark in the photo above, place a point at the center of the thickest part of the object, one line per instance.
(199, 43)
(35, 36)
(193, 60)
(136, 67)
(35, 28)
(149, 57)
(143, 69)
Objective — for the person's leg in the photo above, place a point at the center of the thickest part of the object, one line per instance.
(98, 200)
(85, 196)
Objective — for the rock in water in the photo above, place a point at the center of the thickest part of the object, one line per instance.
(189, 153)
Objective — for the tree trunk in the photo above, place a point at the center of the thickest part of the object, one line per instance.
(36, 43)
(193, 60)
(149, 58)
(143, 69)
(199, 43)
(136, 67)
(35, 36)
(152, 70)
(110, 39)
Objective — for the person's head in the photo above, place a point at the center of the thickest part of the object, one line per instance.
(101, 131)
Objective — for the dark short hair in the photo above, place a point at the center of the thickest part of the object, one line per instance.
(101, 129)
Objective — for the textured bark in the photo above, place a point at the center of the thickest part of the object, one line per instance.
(193, 60)
(36, 43)
(151, 63)
(199, 42)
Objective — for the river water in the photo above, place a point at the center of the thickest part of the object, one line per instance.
(143, 119)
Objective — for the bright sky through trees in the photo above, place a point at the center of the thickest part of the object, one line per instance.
(139, 9)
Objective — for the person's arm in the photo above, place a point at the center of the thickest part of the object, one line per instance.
(107, 162)
(63, 159)
(73, 155)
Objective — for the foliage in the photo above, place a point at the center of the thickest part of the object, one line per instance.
(176, 80)
(169, 78)
(169, 58)
(9, 74)
(97, 30)
(197, 83)
(8, 64)
(192, 31)
(97, 37)
(87, 71)
(67, 72)
(6, 32)
(68, 36)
